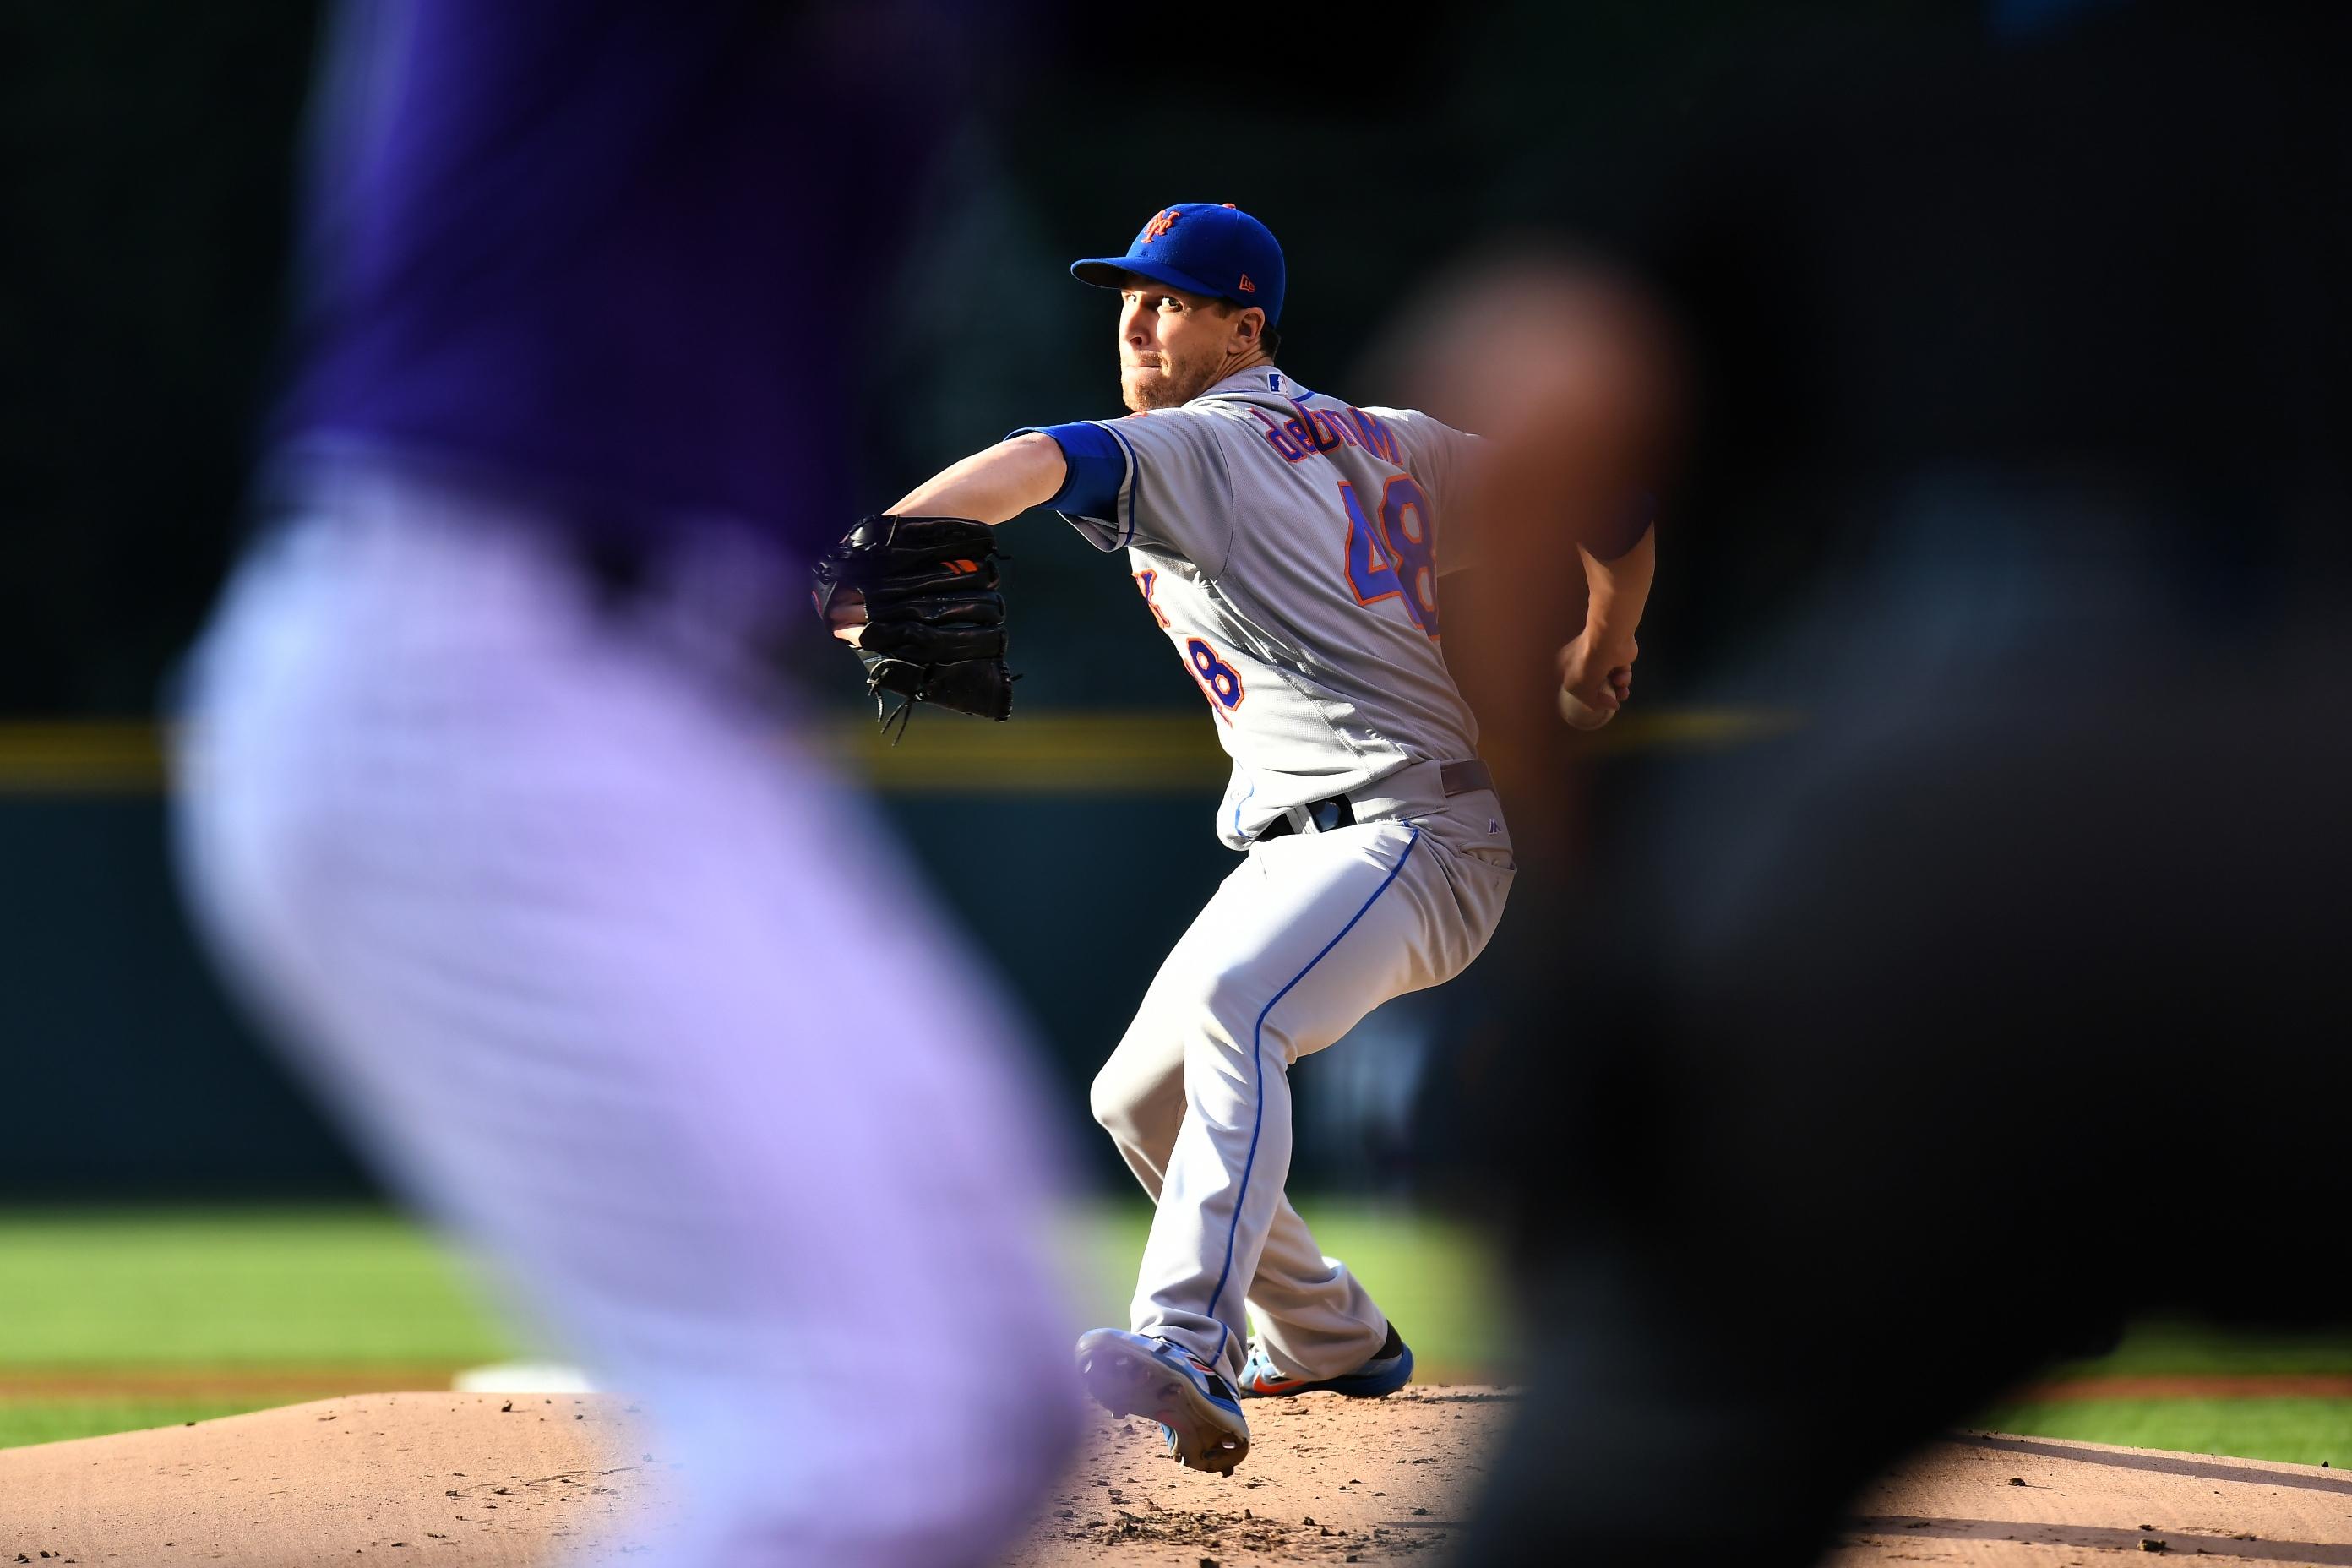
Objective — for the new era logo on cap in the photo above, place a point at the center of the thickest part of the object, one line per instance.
(1202, 247)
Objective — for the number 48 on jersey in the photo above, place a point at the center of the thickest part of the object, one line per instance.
(1394, 556)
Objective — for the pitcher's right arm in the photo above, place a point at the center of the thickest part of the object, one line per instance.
(992, 486)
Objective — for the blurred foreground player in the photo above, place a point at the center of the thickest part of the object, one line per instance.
(2003, 1001)
(490, 797)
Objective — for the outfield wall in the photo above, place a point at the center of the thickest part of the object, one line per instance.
(129, 1074)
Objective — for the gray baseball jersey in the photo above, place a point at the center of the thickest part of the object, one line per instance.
(1289, 545)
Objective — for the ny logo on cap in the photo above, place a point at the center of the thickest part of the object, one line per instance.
(1161, 225)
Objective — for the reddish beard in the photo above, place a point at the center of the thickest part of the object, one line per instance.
(1174, 385)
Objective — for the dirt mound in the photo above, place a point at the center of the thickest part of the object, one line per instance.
(2038, 1502)
(1326, 1479)
(1392, 1480)
(465, 1479)
(505, 1481)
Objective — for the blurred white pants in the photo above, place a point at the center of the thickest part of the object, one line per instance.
(627, 989)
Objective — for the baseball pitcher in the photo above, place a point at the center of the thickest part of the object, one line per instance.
(1289, 545)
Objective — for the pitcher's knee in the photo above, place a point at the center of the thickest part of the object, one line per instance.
(1230, 1005)
(1117, 1104)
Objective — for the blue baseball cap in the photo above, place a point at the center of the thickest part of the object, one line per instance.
(1202, 247)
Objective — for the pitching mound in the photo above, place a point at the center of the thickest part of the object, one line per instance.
(462, 1479)
(447, 1480)
(2037, 1502)
(1361, 1480)
(1391, 1480)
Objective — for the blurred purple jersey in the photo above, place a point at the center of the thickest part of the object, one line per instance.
(613, 251)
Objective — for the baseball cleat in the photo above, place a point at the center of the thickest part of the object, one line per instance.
(1136, 1374)
(1389, 1369)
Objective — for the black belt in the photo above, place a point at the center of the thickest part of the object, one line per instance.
(1337, 811)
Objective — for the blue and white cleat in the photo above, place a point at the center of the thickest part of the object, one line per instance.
(1136, 1374)
(1389, 1369)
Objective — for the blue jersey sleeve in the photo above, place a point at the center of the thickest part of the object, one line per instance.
(1097, 467)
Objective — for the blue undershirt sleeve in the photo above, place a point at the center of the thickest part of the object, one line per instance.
(1097, 467)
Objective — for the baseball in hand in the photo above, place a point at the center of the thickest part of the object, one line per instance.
(1614, 689)
(1580, 714)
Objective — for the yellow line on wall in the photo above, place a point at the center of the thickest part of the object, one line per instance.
(1691, 730)
(96, 756)
(1069, 752)
(1109, 751)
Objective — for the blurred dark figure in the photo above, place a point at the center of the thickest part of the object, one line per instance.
(1857, 1075)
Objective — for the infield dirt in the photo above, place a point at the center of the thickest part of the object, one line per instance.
(462, 1479)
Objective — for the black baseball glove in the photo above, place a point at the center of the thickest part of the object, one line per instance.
(934, 618)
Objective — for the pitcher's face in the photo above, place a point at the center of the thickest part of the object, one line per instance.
(1174, 345)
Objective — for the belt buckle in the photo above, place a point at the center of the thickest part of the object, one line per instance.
(1331, 814)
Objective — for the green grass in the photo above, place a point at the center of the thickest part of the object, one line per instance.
(257, 1288)
(91, 1298)
(2290, 1428)
(55, 1420)
(2155, 1349)
(87, 1296)
(2295, 1431)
